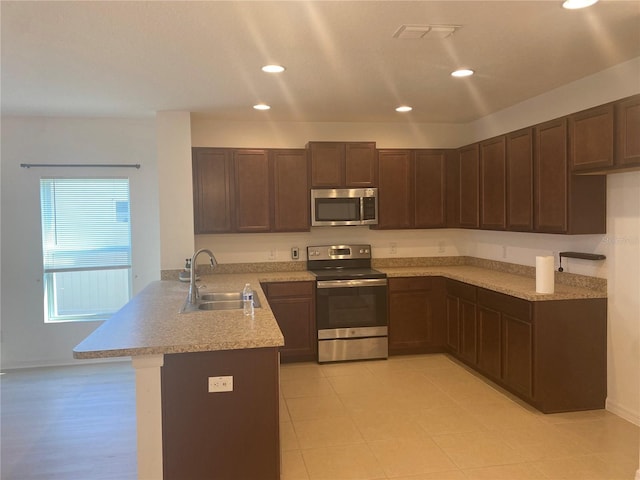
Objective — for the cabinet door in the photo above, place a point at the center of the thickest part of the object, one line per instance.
(627, 127)
(468, 331)
(395, 198)
(360, 165)
(290, 191)
(489, 342)
(453, 324)
(252, 190)
(518, 354)
(493, 173)
(591, 138)
(293, 307)
(212, 190)
(550, 198)
(429, 186)
(327, 164)
(469, 195)
(415, 314)
(520, 180)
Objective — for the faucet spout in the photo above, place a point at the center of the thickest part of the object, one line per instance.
(193, 289)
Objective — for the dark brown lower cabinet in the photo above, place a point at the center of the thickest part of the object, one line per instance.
(552, 354)
(461, 319)
(293, 305)
(505, 340)
(416, 315)
(227, 435)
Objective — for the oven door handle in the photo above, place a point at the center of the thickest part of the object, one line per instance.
(365, 282)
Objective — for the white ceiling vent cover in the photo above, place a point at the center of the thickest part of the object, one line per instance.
(416, 32)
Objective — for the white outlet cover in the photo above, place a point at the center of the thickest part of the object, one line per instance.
(221, 384)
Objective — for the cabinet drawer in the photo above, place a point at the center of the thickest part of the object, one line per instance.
(410, 283)
(512, 306)
(290, 289)
(461, 290)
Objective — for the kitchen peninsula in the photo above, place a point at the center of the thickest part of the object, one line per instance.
(173, 355)
(181, 425)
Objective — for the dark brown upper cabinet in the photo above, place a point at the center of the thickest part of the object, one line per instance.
(564, 203)
(213, 191)
(250, 190)
(551, 177)
(520, 180)
(591, 138)
(290, 192)
(412, 189)
(395, 196)
(469, 161)
(343, 164)
(429, 182)
(493, 189)
(627, 153)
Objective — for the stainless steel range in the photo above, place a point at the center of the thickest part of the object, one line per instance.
(351, 303)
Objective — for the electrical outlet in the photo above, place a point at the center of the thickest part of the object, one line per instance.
(220, 384)
(295, 253)
(440, 247)
(393, 248)
(272, 254)
(504, 251)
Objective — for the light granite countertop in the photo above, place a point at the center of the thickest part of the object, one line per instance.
(151, 323)
(508, 283)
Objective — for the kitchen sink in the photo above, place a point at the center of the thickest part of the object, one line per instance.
(220, 301)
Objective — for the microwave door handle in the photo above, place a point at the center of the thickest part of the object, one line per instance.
(361, 209)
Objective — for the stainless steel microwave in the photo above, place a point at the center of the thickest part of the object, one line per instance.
(344, 206)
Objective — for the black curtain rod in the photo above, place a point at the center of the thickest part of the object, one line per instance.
(107, 165)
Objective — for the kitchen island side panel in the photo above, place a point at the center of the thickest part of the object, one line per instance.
(224, 435)
(570, 357)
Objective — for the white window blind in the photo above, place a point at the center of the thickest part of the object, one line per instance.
(86, 245)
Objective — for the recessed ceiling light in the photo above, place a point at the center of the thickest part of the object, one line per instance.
(463, 72)
(261, 106)
(404, 108)
(273, 68)
(576, 4)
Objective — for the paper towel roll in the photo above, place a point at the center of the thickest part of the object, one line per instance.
(544, 274)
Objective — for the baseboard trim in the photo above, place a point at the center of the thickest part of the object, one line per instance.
(617, 409)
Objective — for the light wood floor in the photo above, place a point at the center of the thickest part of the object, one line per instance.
(420, 417)
(69, 423)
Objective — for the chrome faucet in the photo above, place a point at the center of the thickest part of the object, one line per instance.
(193, 297)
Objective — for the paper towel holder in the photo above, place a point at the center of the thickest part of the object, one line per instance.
(583, 256)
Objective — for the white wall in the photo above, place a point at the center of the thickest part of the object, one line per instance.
(206, 132)
(175, 184)
(26, 339)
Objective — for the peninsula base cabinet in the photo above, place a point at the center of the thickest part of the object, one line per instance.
(552, 354)
(293, 305)
(224, 435)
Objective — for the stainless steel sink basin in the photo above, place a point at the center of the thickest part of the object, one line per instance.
(221, 301)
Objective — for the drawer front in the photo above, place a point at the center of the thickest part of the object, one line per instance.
(410, 283)
(461, 290)
(512, 306)
(290, 289)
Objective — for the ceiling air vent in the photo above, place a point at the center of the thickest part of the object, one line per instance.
(416, 32)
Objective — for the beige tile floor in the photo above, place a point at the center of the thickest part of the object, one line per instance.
(426, 417)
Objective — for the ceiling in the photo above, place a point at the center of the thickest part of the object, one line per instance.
(343, 64)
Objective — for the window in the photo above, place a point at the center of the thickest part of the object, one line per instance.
(86, 247)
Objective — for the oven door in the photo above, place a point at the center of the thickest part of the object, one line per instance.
(349, 304)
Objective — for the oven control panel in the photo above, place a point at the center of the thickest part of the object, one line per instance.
(338, 252)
